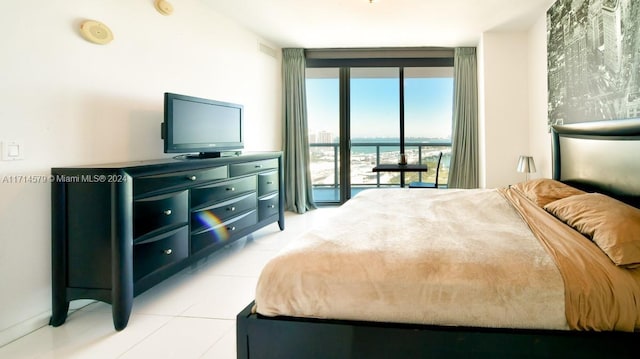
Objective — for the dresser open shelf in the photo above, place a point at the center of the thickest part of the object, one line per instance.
(118, 229)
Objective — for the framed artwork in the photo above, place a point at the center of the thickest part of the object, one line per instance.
(593, 49)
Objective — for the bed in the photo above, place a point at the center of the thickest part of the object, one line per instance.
(543, 268)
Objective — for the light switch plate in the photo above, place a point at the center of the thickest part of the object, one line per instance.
(12, 150)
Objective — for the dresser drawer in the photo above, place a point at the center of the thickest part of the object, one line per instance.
(218, 235)
(160, 251)
(146, 184)
(153, 213)
(212, 216)
(267, 183)
(268, 206)
(241, 169)
(221, 191)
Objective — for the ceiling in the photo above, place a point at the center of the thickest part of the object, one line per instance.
(384, 23)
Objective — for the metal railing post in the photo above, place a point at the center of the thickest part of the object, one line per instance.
(335, 166)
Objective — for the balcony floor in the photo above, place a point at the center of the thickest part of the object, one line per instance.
(322, 195)
(331, 195)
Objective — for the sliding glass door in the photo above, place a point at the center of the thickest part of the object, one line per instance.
(428, 113)
(323, 112)
(374, 123)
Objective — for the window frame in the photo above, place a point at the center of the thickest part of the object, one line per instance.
(344, 60)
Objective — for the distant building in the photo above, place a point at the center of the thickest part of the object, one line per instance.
(612, 34)
(321, 137)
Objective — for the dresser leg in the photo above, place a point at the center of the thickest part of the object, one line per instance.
(122, 257)
(59, 302)
(121, 313)
(59, 312)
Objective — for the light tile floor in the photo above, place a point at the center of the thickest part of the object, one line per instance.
(190, 315)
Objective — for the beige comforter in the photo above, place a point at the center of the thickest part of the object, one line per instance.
(447, 257)
(598, 294)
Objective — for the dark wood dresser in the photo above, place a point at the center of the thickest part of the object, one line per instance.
(118, 229)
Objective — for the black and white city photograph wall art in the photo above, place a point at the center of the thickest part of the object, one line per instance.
(593, 49)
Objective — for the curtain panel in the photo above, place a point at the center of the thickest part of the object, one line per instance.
(297, 173)
(464, 167)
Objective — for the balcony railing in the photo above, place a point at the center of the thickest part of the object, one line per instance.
(366, 155)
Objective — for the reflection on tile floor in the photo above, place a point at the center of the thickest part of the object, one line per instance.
(190, 315)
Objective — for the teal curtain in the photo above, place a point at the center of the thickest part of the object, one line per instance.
(297, 175)
(464, 167)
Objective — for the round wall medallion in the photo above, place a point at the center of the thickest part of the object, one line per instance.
(96, 32)
(163, 7)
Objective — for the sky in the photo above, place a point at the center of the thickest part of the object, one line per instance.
(375, 106)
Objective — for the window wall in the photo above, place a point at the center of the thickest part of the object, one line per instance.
(360, 116)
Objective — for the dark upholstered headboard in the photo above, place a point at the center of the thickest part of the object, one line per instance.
(601, 156)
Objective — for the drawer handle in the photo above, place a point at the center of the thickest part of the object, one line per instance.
(258, 166)
(167, 251)
(231, 229)
(231, 189)
(271, 206)
(192, 177)
(231, 209)
(167, 212)
(269, 182)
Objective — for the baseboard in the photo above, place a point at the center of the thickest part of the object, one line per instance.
(23, 328)
(30, 325)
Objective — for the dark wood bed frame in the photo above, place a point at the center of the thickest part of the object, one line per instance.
(602, 156)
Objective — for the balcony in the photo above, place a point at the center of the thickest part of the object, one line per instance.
(325, 159)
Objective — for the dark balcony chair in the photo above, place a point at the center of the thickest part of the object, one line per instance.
(429, 184)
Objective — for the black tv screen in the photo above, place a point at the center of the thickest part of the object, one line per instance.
(204, 126)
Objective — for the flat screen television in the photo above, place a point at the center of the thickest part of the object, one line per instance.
(201, 127)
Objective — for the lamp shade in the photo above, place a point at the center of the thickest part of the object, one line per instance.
(526, 164)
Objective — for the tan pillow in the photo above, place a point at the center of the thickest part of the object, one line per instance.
(545, 190)
(613, 225)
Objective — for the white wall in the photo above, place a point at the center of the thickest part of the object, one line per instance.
(504, 109)
(513, 116)
(72, 102)
(539, 136)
